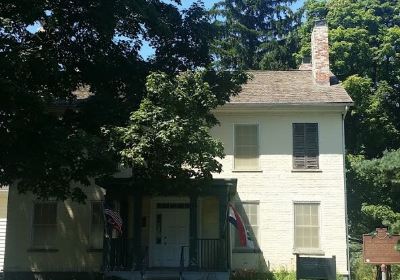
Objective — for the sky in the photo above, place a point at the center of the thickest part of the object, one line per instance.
(209, 3)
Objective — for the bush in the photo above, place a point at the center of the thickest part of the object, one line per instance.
(284, 274)
(251, 274)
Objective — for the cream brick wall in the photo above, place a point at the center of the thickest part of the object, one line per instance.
(276, 186)
(3, 223)
(72, 236)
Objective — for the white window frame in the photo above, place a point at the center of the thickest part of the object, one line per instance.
(45, 247)
(304, 250)
(257, 168)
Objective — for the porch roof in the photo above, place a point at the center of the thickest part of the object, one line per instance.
(220, 186)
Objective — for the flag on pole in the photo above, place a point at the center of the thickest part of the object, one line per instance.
(113, 218)
(244, 235)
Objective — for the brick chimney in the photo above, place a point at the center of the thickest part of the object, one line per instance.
(320, 53)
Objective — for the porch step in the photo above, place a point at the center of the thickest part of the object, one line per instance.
(161, 275)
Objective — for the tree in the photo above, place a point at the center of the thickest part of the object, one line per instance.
(256, 34)
(375, 189)
(364, 54)
(364, 49)
(370, 126)
(90, 45)
(167, 140)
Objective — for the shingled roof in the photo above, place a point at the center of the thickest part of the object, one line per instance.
(292, 87)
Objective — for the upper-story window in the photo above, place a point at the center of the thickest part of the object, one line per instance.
(246, 147)
(44, 226)
(305, 146)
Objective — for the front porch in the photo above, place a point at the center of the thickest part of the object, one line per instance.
(170, 233)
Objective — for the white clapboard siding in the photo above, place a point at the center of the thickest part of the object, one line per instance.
(3, 226)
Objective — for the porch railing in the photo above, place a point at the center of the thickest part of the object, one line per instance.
(211, 254)
(121, 254)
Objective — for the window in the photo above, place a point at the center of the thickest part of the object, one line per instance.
(306, 226)
(246, 147)
(96, 225)
(44, 231)
(305, 146)
(249, 213)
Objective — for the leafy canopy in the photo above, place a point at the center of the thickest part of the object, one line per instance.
(256, 34)
(51, 138)
(365, 55)
(167, 140)
(376, 187)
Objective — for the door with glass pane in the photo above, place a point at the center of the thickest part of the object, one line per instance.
(171, 232)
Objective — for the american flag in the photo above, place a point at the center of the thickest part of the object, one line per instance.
(113, 218)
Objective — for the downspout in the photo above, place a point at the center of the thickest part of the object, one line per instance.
(345, 192)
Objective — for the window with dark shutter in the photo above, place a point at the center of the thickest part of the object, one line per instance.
(305, 146)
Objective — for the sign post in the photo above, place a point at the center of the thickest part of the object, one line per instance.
(383, 271)
(380, 248)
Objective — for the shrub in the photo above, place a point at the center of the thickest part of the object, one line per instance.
(284, 274)
(251, 274)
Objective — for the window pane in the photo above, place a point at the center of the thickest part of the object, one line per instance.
(249, 214)
(246, 146)
(246, 135)
(44, 236)
(97, 213)
(44, 228)
(306, 225)
(97, 225)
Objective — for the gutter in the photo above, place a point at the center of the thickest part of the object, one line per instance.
(345, 193)
(266, 104)
(262, 107)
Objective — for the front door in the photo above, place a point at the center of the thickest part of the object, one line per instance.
(171, 232)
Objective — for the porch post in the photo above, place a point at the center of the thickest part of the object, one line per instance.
(137, 231)
(124, 254)
(223, 206)
(106, 238)
(193, 261)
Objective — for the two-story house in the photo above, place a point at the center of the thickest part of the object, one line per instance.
(283, 172)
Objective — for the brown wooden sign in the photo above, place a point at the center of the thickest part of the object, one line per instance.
(381, 247)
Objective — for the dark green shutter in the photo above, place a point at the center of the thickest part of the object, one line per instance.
(305, 146)
(312, 150)
(299, 155)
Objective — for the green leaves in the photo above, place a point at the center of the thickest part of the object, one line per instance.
(374, 186)
(255, 34)
(364, 42)
(52, 142)
(364, 54)
(167, 139)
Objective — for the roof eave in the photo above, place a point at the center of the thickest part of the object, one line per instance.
(266, 104)
(228, 107)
